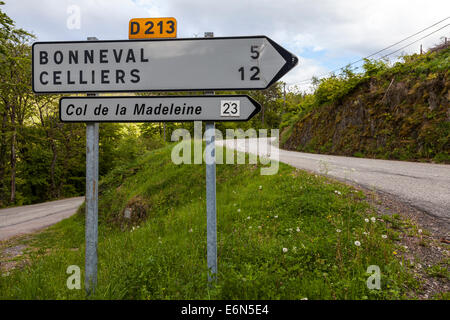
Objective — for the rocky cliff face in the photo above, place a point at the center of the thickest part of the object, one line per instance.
(405, 118)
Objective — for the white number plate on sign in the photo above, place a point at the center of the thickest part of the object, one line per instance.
(230, 108)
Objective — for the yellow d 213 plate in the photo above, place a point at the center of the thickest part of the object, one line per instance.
(144, 28)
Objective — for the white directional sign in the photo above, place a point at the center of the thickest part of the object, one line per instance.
(158, 108)
(235, 63)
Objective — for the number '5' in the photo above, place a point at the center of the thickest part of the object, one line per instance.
(255, 52)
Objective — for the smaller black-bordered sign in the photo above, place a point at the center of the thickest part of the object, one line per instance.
(158, 108)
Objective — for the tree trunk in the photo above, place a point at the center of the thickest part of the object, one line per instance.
(3, 147)
(52, 168)
(262, 114)
(13, 152)
(13, 165)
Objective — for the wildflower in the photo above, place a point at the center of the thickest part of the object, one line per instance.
(248, 218)
(338, 230)
(275, 217)
(238, 210)
(298, 229)
(365, 233)
(357, 243)
(384, 236)
(285, 250)
(373, 219)
(420, 230)
(366, 220)
(190, 230)
(250, 227)
(337, 192)
(260, 187)
(395, 252)
(304, 298)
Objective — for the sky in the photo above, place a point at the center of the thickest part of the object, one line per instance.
(325, 34)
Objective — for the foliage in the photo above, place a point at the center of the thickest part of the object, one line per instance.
(387, 111)
(287, 236)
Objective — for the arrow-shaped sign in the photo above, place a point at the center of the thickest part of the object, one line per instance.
(234, 63)
(158, 108)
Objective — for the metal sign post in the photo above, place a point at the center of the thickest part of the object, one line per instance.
(211, 215)
(211, 212)
(91, 211)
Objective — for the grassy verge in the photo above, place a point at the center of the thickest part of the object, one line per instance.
(292, 235)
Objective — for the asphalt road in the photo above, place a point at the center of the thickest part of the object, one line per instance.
(423, 185)
(25, 219)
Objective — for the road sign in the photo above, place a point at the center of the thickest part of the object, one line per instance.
(141, 28)
(158, 108)
(234, 63)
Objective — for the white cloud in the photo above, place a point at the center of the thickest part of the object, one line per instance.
(305, 69)
(321, 31)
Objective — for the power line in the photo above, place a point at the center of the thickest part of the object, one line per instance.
(388, 47)
(448, 24)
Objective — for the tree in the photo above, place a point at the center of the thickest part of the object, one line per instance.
(15, 80)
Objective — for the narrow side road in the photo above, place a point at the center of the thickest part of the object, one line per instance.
(25, 219)
(423, 185)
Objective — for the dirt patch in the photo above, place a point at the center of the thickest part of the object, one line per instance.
(423, 241)
(136, 211)
(13, 254)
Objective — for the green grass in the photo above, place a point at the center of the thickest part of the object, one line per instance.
(258, 216)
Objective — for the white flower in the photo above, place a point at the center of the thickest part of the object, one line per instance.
(304, 298)
(420, 230)
(260, 187)
(250, 227)
(275, 217)
(298, 229)
(365, 233)
(338, 230)
(357, 243)
(190, 230)
(238, 210)
(384, 236)
(337, 192)
(373, 219)
(285, 250)
(366, 220)
(248, 218)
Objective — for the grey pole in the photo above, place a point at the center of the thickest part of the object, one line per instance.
(211, 216)
(91, 203)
